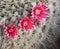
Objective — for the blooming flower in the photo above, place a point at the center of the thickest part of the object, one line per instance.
(26, 23)
(39, 11)
(10, 31)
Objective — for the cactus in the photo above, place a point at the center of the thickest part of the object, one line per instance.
(44, 34)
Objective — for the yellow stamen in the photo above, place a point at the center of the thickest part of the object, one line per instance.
(37, 11)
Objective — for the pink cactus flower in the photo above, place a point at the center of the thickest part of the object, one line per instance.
(10, 31)
(26, 23)
(39, 11)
